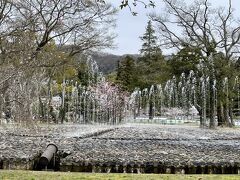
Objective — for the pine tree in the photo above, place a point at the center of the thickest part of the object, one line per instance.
(151, 67)
(126, 73)
(149, 46)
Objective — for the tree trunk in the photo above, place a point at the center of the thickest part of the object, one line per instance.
(231, 115)
(41, 108)
(203, 112)
(220, 115)
(139, 106)
(151, 108)
(226, 115)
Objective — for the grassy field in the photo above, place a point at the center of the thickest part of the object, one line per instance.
(35, 175)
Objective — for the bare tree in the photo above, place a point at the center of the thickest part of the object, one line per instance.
(75, 22)
(200, 26)
(129, 4)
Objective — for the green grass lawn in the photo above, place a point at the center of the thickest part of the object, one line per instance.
(35, 175)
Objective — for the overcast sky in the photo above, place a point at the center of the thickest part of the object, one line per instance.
(130, 28)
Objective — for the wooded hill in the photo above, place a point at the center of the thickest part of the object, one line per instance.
(107, 63)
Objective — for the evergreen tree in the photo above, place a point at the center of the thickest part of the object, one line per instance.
(83, 74)
(151, 72)
(149, 47)
(185, 60)
(151, 67)
(126, 73)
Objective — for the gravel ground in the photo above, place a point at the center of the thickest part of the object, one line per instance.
(125, 144)
(53, 130)
(170, 132)
(169, 145)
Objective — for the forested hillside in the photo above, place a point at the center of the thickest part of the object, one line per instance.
(107, 63)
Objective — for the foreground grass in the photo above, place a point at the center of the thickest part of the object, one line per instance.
(35, 175)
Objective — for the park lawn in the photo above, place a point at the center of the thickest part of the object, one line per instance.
(37, 175)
